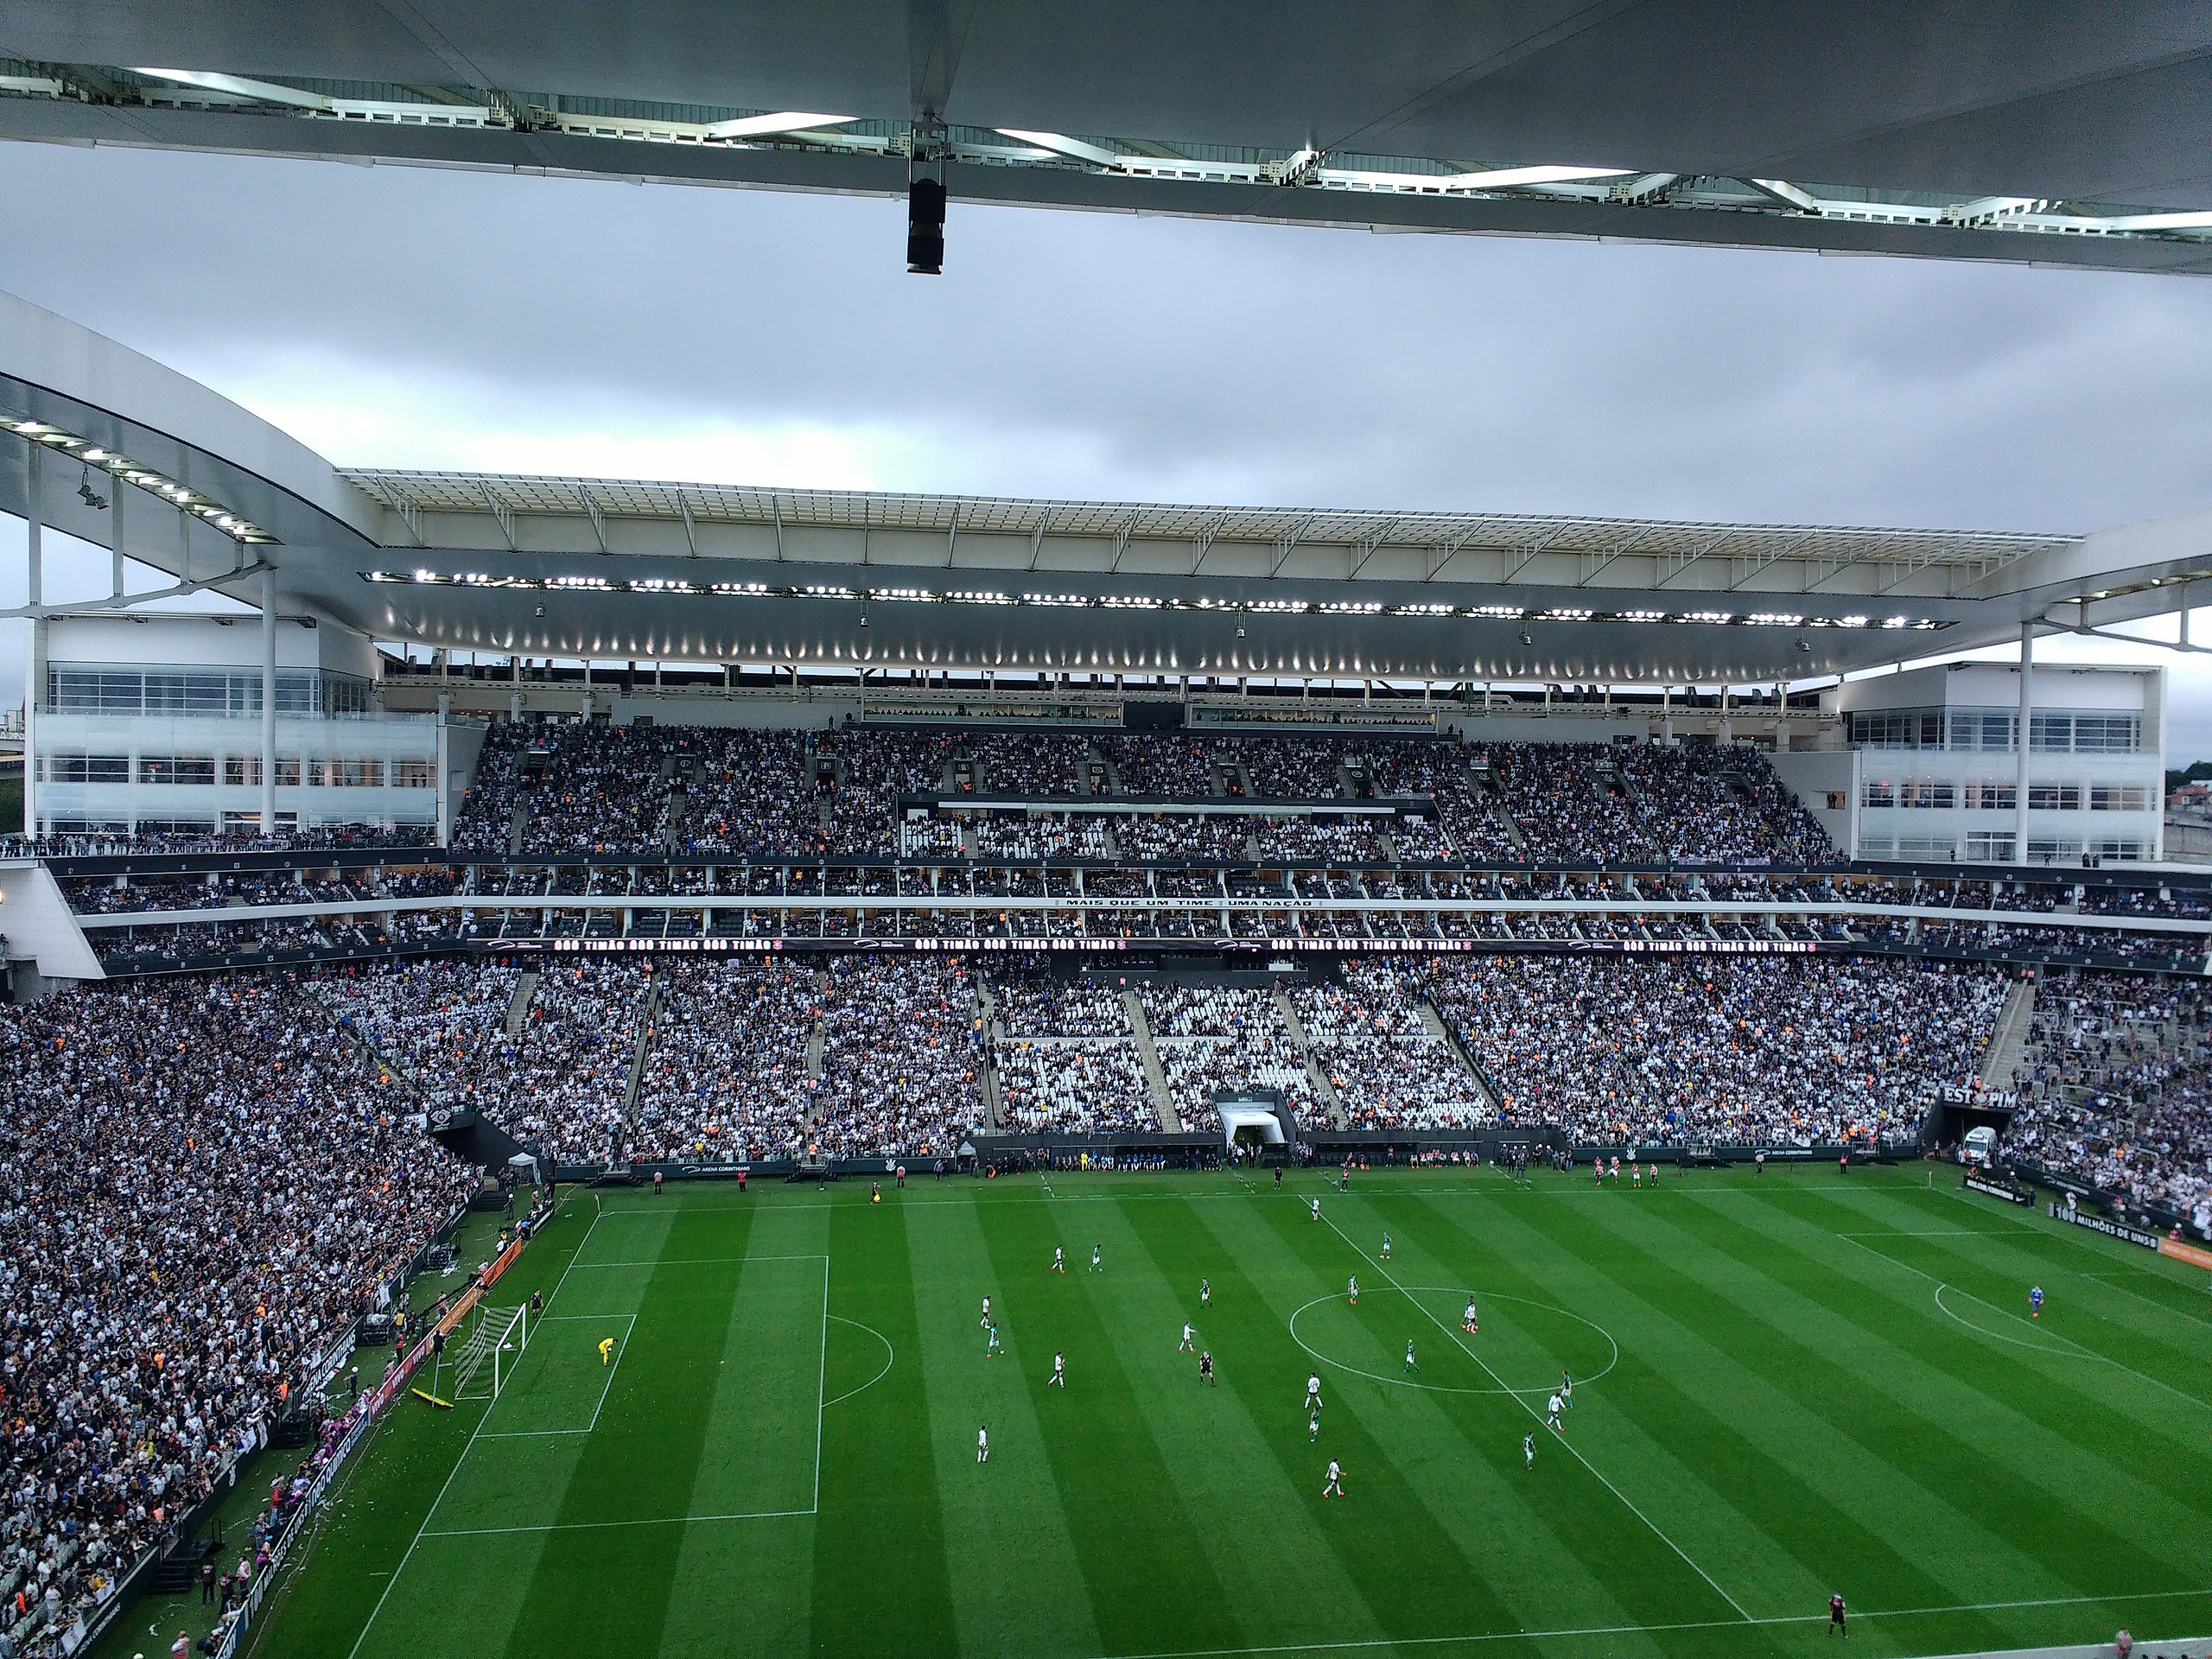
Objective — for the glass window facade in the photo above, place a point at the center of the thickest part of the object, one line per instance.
(1992, 730)
(234, 692)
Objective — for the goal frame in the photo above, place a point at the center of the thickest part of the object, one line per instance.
(481, 1367)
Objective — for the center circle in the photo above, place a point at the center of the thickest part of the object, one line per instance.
(1484, 1299)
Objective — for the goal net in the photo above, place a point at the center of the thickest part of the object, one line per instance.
(486, 1359)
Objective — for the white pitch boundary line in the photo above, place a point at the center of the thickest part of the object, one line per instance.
(453, 1475)
(602, 1526)
(821, 1387)
(1357, 1644)
(1453, 1337)
(1151, 1194)
(703, 1261)
(572, 1319)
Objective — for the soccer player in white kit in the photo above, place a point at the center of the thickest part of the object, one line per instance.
(1351, 1289)
(1059, 1260)
(1315, 1203)
(982, 1443)
(986, 1319)
(1551, 1422)
(1185, 1345)
(1060, 1374)
(1468, 1322)
(1335, 1488)
(1313, 1391)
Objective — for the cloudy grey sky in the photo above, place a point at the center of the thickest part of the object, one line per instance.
(393, 316)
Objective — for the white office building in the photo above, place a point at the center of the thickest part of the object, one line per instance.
(1937, 773)
(152, 724)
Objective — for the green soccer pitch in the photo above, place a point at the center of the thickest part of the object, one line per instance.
(1786, 1385)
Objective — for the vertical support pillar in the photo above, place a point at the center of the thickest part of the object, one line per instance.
(444, 775)
(34, 595)
(2023, 740)
(1667, 714)
(269, 703)
(117, 490)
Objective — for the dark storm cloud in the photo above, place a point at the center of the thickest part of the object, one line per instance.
(563, 325)
(1107, 355)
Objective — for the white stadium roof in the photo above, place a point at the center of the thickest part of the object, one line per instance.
(627, 569)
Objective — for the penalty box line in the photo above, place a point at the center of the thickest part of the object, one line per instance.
(1455, 1339)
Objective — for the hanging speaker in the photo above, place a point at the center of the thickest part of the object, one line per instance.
(926, 227)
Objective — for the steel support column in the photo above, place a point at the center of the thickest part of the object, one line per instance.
(269, 704)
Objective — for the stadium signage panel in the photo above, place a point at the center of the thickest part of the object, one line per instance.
(2096, 1224)
(1708, 947)
(2005, 1190)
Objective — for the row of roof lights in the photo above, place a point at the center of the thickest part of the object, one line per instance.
(1133, 601)
(185, 498)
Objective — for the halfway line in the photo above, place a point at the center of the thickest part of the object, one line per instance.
(1453, 1337)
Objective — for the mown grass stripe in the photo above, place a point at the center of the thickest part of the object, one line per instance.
(1148, 1586)
(607, 1589)
(2059, 1386)
(879, 1543)
(1017, 1580)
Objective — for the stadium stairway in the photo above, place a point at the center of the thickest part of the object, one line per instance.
(517, 826)
(1437, 1026)
(1162, 1102)
(648, 1025)
(519, 1004)
(1323, 1090)
(987, 1013)
(2002, 1057)
(1505, 820)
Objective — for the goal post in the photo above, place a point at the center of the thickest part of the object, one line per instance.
(483, 1361)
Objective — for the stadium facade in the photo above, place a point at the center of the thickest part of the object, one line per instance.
(411, 625)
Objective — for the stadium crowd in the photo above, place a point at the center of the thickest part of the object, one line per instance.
(1668, 1050)
(2115, 1090)
(661, 789)
(1390, 1070)
(204, 1186)
(558, 1084)
(728, 1077)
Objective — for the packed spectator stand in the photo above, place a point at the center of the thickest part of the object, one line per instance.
(700, 790)
(205, 1186)
(829, 843)
(2115, 1091)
